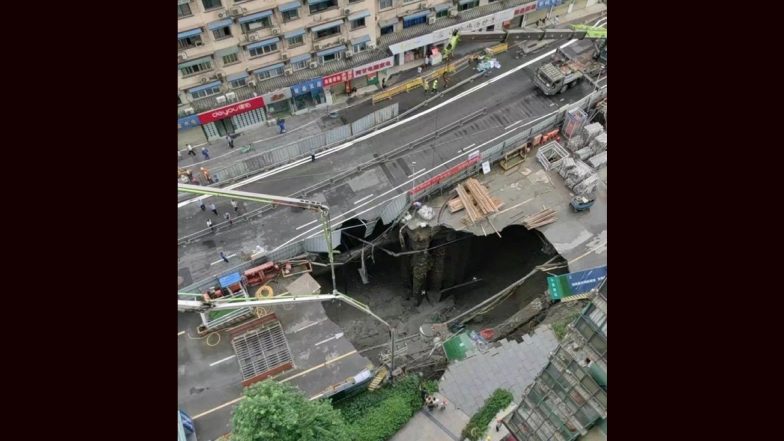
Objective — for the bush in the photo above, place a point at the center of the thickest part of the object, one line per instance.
(477, 426)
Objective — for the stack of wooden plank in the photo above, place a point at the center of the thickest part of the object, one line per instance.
(539, 219)
(481, 196)
(456, 204)
(475, 199)
(468, 203)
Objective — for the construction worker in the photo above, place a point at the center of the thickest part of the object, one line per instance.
(206, 174)
(435, 85)
(425, 85)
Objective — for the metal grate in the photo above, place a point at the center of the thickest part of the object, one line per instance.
(261, 350)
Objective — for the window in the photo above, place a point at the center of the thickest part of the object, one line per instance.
(221, 33)
(206, 92)
(360, 47)
(316, 7)
(299, 65)
(262, 50)
(332, 57)
(387, 29)
(409, 1)
(355, 1)
(196, 68)
(358, 23)
(292, 14)
(384, 4)
(415, 21)
(240, 82)
(442, 13)
(184, 10)
(271, 73)
(295, 41)
(327, 32)
(259, 23)
(211, 4)
(185, 43)
(469, 5)
(230, 59)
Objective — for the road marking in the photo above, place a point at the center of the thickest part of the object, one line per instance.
(383, 129)
(219, 261)
(180, 333)
(319, 366)
(513, 124)
(334, 337)
(218, 408)
(305, 327)
(416, 173)
(221, 361)
(360, 200)
(305, 225)
(465, 148)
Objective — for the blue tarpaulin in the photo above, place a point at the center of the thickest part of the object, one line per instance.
(231, 279)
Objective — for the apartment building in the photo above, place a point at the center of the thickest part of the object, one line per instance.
(569, 397)
(242, 62)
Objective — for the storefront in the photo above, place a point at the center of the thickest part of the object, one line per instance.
(368, 74)
(521, 16)
(338, 83)
(189, 131)
(233, 118)
(308, 93)
(278, 103)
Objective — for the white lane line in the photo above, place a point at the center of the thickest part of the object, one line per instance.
(219, 261)
(180, 333)
(384, 129)
(465, 148)
(305, 225)
(221, 361)
(306, 327)
(366, 197)
(334, 337)
(416, 173)
(513, 124)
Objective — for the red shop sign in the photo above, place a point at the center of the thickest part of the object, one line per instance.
(231, 110)
(443, 175)
(340, 77)
(524, 9)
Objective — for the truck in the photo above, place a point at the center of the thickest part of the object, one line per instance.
(568, 67)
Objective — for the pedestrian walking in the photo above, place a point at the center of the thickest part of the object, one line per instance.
(282, 125)
(227, 216)
(214, 209)
(445, 83)
(236, 207)
(498, 426)
(426, 86)
(312, 157)
(205, 153)
(383, 84)
(189, 172)
(209, 225)
(435, 85)
(223, 256)
(231, 141)
(556, 20)
(190, 150)
(201, 205)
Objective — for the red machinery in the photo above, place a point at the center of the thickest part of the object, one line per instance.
(262, 274)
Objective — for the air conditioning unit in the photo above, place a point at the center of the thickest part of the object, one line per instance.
(316, 47)
(182, 56)
(284, 55)
(347, 11)
(316, 18)
(223, 13)
(252, 83)
(220, 99)
(431, 19)
(252, 37)
(203, 80)
(341, 40)
(188, 111)
(275, 31)
(231, 96)
(349, 54)
(371, 46)
(219, 75)
(453, 12)
(313, 64)
(237, 10)
(199, 44)
(289, 71)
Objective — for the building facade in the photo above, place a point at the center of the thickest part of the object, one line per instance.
(569, 397)
(242, 62)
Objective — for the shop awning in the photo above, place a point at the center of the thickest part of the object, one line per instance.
(206, 86)
(331, 51)
(219, 24)
(443, 7)
(236, 76)
(418, 15)
(263, 43)
(191, 33)
(194, 62)
(315, 2)
(289, 6)
(462, 2)
(264, 69)
(389, 22)
(360, 40)
(294, 33)
(252, 17)
(299, 58)
(331, 24)
(226, 51)
(358, 15)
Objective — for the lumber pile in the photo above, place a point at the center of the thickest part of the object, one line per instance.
(539, 219)
(456, 204)
(474, 197)
(481, 196)
(468, 204)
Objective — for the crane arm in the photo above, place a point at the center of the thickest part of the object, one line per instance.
(578, 32)
(254, 197)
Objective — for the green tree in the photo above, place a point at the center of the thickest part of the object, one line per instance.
(279, 412)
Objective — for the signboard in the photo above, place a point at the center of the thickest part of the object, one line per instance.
(277, 95)
(306, 86)
(188, 122)
(373, 67)
(336, 78)
(435, 180)
(486, 167)
(372, 79)
(231, 110)
(524, 9)
(575, 283)
(541, 4)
